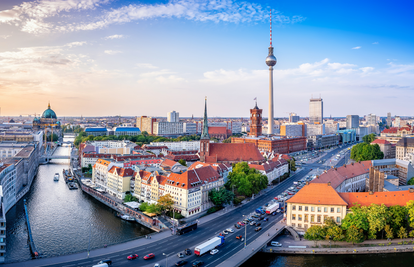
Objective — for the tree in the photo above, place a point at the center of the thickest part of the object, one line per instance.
(165, 202)
(398, 215)
(402, 233)
(246, 180)
(292, 165)
(182, 162)
(315, 233)
(411, 234)
(388, 232)
(153, 208)
(365, 151)
(221, 196)
(52, 138)
(144, 206)
(410, 211)
(353, 234)
(411, 181)
(357, 218)
(368, 139)
(377, 218)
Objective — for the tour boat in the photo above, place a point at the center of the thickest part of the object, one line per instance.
(56, 177)
(125, 217)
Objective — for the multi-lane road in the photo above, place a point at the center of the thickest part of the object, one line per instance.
(174, 244)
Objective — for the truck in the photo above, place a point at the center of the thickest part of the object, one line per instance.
(188, 227)
(209, 245)
(271, 208)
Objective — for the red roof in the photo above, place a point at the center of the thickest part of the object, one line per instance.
(121, 171)
(380, 142)
(338, 176)
(317, 194)
(269, 166)
(168, 163)
(390, 130)
(387, 198)
(193, 178)
(233, 152)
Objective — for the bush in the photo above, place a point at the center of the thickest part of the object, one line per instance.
(177, 215)
(237, 200)
(213, 209)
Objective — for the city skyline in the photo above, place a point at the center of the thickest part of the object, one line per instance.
(101, 57)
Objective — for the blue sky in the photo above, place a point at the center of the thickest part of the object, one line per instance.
(103, 57)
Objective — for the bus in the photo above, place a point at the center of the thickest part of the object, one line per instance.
(188, 227)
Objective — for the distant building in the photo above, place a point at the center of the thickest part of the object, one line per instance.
(352, 121)
(173, 116)
(255, 121)
(179, 146)
(316, 111)
(272, 169)
(169, 129)
(191, 128)
(133, 131)
(96, 131)
(293, 117)
(389, 121)
(371, 119)
(146, 124)
(404, 147)
(292, 129)
(315, 129)
(397, 121)
(322, 141)
(331, 128)
(347, 136)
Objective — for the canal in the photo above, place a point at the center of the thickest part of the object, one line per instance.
(63, 221)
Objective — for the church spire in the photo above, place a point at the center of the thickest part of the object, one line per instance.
(204, 134)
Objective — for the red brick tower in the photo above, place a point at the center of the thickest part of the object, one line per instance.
(255, 121)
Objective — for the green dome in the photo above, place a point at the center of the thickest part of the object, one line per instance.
(49, 114)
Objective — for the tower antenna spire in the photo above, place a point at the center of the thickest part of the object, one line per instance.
(270, 27)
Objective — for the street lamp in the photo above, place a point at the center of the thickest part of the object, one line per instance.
(166, 259)
(245, 234)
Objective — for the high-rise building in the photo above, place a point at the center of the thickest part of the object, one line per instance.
(173, 116)
(146, 124)
(389, 119)
(352, 121)
(293, 117)
(255, 121)
(316, 111)
(397, 121)
(270, 61)
(371, 119)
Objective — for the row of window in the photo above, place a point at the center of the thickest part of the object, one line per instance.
(318, 209)
(312, 218)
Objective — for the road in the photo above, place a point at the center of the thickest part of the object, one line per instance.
(175, 244)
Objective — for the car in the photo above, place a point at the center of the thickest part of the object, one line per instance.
(239, 237)
(278, 210)
(214, 251)
(237, 226)
(258, 224)
(230, 230)
(290, 193)
(275, 244)
(258, 229)
(180, 263)
(149, 256)
(157, 265)
(107, 261)
(274, 213)
(253, 223)
(187, 251)
(265, 219)
(267, 205)
(180, 255)
(255, 216)
(132, 257)
(197, 263)
(241, 223)
(242, 239)
(225, 232)
(310, 169)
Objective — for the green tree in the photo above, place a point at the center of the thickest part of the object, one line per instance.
(410, 211)
(315, 233)
(221, 196)
(388, 232)
(364, 151)
(368, 139)
(245, 180)
(402, 233)
(144, 206)
(411, 181)
(292, 165)
(357, 217)
(411, 234)
(154, 208)
(182, 162)
(354, 235)
(397, 217)
(377, 218)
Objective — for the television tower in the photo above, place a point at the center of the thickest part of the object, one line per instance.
(270, 61)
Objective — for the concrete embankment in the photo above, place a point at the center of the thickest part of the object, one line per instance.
(356, 250)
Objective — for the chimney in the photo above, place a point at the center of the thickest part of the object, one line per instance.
(307, 182)
(371, 192)
(345, 165)
(317, 176)
(329, 183)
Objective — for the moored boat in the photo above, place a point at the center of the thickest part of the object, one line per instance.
(56, 177)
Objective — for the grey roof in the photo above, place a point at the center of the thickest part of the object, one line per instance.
(406, 142)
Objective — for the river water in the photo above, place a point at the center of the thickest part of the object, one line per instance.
(63, 221)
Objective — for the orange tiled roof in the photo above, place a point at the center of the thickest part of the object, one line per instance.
(121, 171)
(387, 198)
(233, 152)
(217, 130)
(380, 142)
(193, 178)
(317, 194)
(338, 176)
(168, 163)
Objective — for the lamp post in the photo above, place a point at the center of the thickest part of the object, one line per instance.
(245, 234)
(166, 259)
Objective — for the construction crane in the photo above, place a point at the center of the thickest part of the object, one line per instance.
(35, 114)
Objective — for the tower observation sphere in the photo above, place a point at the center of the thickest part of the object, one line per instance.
(271, 59)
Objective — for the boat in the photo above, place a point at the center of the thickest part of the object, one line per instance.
(56, 177)
(125, 217)
(72, 186)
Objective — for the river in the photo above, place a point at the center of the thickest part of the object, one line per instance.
(63, 221)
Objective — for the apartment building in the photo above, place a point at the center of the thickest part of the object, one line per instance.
(119, 181)
(404, 147)
(100, 172)
(272, 169)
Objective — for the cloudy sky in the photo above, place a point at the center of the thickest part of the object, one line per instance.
(118, 57)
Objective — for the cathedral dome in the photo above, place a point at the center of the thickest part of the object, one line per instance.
(49, 113)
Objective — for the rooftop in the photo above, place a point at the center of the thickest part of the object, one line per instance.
(317, 194)
(387, 198)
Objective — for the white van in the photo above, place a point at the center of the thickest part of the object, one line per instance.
(101, 265)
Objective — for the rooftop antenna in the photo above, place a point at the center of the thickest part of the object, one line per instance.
(270, 27)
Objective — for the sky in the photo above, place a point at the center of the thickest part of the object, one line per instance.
(134, 58)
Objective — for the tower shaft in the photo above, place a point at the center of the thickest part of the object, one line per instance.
(270, 117)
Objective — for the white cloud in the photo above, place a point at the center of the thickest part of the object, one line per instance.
(374, 43)
(146, 66)
(115, 36)
(356, 47)
(74, 44)
(30, 16)
(112, 52)
(4, 36)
